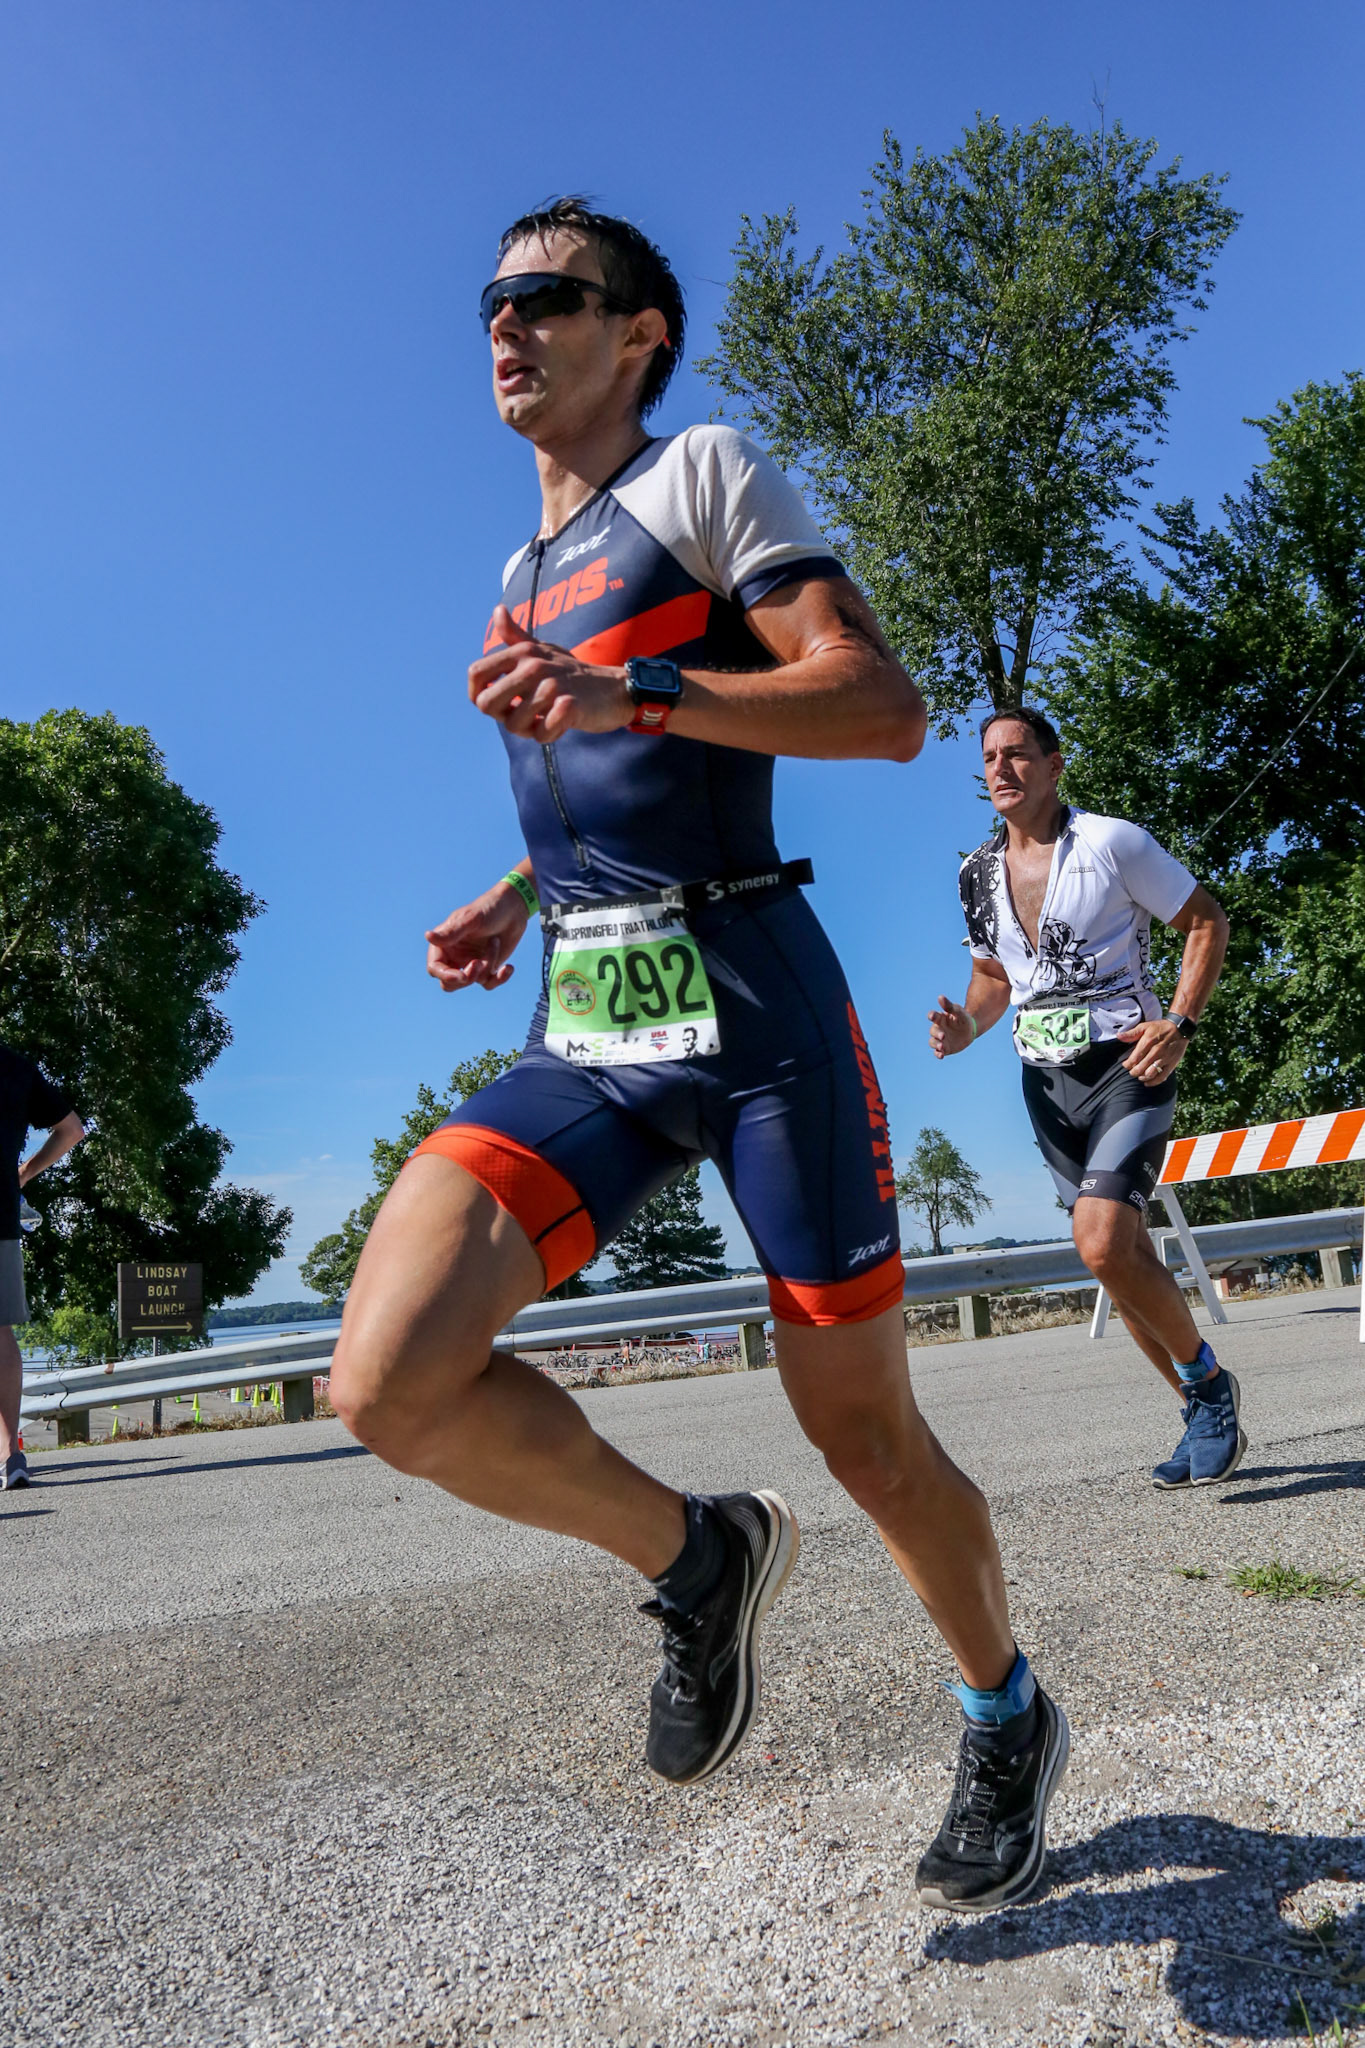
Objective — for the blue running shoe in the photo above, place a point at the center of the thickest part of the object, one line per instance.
(1176, 1470)
(1215, 1434)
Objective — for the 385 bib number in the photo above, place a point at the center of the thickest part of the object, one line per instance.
(627, 986)
(1052, 1037)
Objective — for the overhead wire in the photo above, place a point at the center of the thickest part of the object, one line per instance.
(1271, 759)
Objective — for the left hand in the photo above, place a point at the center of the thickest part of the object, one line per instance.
(542, 692)
(1157, 1051)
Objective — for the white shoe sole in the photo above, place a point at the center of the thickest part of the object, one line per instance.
(774, 1569)
(1017, 1888)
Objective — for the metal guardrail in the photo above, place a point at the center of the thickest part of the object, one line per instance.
(709, 1305)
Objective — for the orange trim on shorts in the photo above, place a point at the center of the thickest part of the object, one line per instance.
(839, 1301)
(534, 1193)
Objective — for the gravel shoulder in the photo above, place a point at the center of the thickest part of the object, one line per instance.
(302, 1751)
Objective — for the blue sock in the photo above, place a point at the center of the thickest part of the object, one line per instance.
(1006, 1717)
(698, 1566)
(1199, 1367)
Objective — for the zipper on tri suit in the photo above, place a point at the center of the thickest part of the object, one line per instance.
(580, 851)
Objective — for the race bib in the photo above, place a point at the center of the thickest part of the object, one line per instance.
(1052, 1037)
(627, 986)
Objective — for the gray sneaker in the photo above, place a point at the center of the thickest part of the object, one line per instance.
(16, 1471)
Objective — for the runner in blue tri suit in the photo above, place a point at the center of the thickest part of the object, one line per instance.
(677, 622)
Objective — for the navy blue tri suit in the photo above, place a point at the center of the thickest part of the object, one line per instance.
(665, 560)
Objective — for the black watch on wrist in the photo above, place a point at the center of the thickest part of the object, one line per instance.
(1186, 1026)
(655, 689)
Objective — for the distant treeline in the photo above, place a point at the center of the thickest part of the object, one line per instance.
(271, 1312)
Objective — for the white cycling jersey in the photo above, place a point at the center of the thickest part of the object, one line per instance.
(1109, 879)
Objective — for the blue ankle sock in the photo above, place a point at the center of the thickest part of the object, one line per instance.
(1199, 1367)
(700, 1562)
(1006, 1715)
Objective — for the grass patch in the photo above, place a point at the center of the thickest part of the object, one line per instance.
(1190, 1571)
(1277, 1581)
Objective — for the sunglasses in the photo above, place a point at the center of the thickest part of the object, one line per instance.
(538, 295)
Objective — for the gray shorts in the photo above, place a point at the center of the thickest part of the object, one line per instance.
(13, 1301)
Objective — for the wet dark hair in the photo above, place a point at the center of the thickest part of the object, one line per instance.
(1043, 730)
(633, 270)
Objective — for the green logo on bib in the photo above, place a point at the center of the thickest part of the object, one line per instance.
(576, 996)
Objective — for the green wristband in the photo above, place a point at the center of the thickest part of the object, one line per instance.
(524, 890)
(975, 1028)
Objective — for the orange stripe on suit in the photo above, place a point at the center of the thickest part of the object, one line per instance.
(534, 1193)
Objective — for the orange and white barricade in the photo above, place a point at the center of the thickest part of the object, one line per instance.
(1329, 1140)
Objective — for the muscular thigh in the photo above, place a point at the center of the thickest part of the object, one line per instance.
(1102, 1132)
(443, 1268)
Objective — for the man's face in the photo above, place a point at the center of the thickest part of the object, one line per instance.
(552, 381)
(1020, 778)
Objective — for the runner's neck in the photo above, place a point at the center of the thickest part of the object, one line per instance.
(572, 473)
(1023, 834)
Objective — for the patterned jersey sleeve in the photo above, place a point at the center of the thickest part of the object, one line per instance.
(978, 884)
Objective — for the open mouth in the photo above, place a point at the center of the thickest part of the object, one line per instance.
(511, 374)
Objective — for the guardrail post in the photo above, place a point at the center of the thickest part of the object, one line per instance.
(753, 1346)
(974, 1315)
(1334, 1257)
(73, 1428)
(298, 1399)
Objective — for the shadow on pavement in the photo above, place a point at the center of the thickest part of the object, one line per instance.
(1346, 1476)
(24, 1514)
(171, 1468)
(1238, 1964)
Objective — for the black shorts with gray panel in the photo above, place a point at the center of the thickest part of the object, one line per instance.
(1101, 1131)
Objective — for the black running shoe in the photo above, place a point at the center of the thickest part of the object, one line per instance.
(989, 1851)
(705, 1696)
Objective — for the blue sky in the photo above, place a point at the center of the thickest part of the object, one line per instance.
(255, 497)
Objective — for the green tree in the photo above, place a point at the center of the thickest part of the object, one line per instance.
(668, 1242)
(118, 929)
(1225, 711)
(972, 387)
(940, 1187)
(329, 1268)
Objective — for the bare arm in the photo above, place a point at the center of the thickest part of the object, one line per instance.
(955, 1026)
(1158, 1047)
(837, 693)
(60, 1140)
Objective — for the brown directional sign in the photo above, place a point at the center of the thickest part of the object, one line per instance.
(160, 1299)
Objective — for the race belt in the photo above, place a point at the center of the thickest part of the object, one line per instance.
(626, 983)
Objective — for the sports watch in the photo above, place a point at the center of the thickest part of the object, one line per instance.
(656, 689)
(1186, 1026)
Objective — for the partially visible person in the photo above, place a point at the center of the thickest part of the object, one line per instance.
(28, 1101)
(1059, 904)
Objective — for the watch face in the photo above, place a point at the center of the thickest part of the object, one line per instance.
(660, 680)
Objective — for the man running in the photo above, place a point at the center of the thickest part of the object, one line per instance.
(675, 623)
(1059, 904)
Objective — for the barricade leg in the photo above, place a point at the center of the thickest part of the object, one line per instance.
(1362, 1288)
(1099, 1321)
(1192, 1258)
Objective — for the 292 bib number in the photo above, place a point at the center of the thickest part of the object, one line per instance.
(627, 986)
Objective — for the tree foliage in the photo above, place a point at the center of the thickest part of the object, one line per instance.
(971, 387)
(668, 1242)
(329, 1268)
(118, 929)
(940, 1187)
(1225, 711)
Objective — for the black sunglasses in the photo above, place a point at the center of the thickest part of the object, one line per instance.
(536, 295)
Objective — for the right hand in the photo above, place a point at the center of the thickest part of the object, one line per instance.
(950, 1028)
(472, 946)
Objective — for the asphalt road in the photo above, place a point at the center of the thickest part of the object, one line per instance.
(299, 1750)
